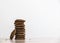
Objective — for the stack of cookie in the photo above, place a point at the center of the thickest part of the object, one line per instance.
(20, 29)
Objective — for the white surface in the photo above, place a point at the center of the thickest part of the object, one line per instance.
(42, 17)
(41, 40)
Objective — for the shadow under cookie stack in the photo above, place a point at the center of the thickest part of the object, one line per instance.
(20, 29)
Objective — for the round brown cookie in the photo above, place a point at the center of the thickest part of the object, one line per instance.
(12, 34)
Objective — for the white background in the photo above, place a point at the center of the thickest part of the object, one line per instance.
(42, 17)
